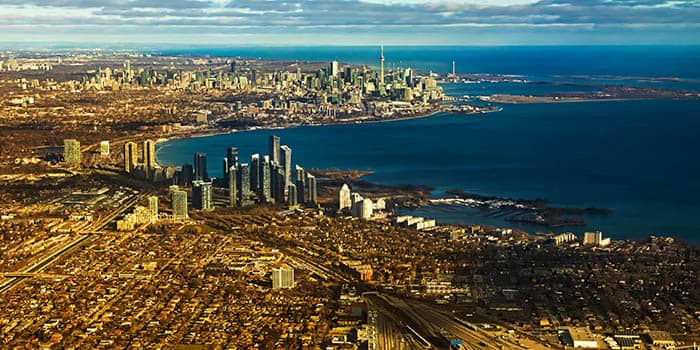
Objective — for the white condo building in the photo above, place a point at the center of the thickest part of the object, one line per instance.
(366, 209)
(596, 239)
(344, 198)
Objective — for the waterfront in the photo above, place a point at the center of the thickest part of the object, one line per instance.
(578, 60)
(629, 156)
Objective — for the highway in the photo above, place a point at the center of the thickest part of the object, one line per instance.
(386, 332)
(84, 236)
(313, 266)
(428, 321)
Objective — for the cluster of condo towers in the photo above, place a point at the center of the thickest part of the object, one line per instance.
(266, 179)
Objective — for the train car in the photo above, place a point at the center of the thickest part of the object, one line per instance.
(451, 339)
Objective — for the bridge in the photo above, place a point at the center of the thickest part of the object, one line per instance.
(32, 274)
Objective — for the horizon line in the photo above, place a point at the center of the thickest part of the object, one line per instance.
(86, 45)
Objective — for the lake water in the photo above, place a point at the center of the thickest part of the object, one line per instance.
(638, 158)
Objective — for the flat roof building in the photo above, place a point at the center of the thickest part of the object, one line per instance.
(283, 278)
(71, 151)
(661, 338)
(579, 337)
(104, 148)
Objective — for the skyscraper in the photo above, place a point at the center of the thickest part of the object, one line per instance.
(153, 207)
(283, 278)
(201, 195)
(255, 173)
(348, 75)
(186, 175)
(130, 156)
(299, 172)
(292, 195)
(71, 151)
(274, 169)
(274, 144)
(149, 154)
(232, 156)
(200, 167)
(244, 183)
(301, 184)
(278, 184)
(286, 155)
(344, 198)
(178, 199)
(311, 191)
(356, 204)
(333, 69)
(225, 168)
(232, 186)
(265, 180)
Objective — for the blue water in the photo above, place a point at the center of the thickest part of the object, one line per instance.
(651, 61)
(534, 62)
(638, 158)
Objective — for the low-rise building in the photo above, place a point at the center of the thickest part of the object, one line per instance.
(579, 337)
(661, 338)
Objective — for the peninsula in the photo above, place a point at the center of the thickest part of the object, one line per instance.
(605, 93)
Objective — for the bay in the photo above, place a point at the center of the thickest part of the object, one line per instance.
(638, 158)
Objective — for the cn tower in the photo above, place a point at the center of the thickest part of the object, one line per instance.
(381, 65)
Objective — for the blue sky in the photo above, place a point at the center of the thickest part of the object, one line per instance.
(352, 22)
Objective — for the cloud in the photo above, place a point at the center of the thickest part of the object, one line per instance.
(123, 4)
(267, 16)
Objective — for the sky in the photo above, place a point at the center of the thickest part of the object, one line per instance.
(352, 22)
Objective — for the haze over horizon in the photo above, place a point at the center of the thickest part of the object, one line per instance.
(352, 22)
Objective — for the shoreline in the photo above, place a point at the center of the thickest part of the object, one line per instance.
(533, 230)
(592, 100)
(540, 100)
(216, 132)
